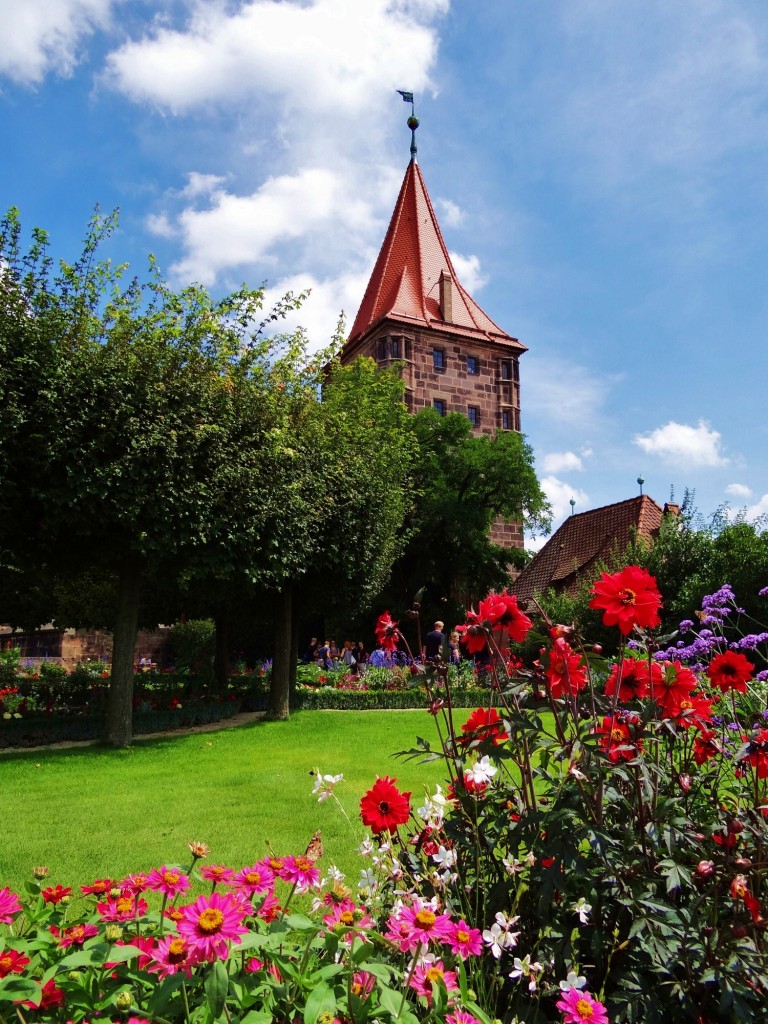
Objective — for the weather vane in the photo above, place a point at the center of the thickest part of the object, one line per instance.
(413, 121)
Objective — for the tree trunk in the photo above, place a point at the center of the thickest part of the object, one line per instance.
(281, 662)
(294, 663)
(119, 719)
(221, 657)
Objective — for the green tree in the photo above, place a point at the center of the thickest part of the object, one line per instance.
(463, 483)
(133, 423)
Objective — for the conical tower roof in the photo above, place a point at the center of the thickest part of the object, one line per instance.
(405, 283)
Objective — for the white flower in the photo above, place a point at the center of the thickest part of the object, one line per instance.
(324, 784)
(367, 880)
(434, 807)
(573, 980)
(444, 858)
(365, 849)
(575, 772)
(512, 866)
(335, 875)
(583, 909)
(524, 968)
(495, 938)
(482, 771)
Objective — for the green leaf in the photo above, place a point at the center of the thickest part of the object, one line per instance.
(299, 923)
(216, 988)
(320, 1000)
(13, 988)
(163, 994)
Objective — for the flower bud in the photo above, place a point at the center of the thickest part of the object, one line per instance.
(743, 862)
(705, 868)
(40, 872)
(124, 1000)
(113, 932)
(75, 976)
(739, 931)
(735, 826)
(685, 782)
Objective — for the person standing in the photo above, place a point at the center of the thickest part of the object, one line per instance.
(433, 642)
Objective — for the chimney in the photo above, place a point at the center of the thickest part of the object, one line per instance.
(671, 509)
(446, 297)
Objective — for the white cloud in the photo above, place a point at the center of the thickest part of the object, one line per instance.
(739, 491)
(317, 55)
(759, 509)
(39, 36)
(237, 231)
(560, 462)
(468, 271)
(320, 312)
(451, 214)
(559, 494)
(684, 445)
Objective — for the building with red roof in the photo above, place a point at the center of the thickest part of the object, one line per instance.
(585, 540)
(417, 316)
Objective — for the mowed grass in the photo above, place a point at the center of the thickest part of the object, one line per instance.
(91, 812)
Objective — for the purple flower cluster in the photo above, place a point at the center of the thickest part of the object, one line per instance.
(763, 592)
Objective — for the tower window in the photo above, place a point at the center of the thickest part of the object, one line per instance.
(395, 348)
(438, 358)
(506, 369)
(438, 404)
(381, 350)
(473, 415)
(472, 366)
(506, 420)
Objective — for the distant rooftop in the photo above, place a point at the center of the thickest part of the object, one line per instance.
(586, 539)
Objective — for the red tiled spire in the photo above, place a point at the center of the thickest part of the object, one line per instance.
(405, 283)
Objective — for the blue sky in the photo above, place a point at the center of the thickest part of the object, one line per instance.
(598, 168)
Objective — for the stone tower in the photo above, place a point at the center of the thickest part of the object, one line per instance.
(416, 314)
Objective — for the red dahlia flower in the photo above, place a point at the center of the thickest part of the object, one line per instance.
(674, 689)
(627, 599)
(384, 807)
(730, 671)
(617, 739)
(757, 753)
(483, 724)
(387, 633)
(472, 635)
(501, 612)
(633, 679)
(565, 670)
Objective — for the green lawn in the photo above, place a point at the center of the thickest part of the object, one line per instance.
(90, 812)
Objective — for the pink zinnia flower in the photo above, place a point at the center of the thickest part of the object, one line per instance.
(362, 984)
(427, 974)
(74, 936)
(301, 872)
(581, 1008)
(346, 915)
(464, 940)
(171, 955)
(257, 879)
(461, 1017)
(123, 908)
(170, 882)
(134, 884)
(217, 874)
(12, 962)
(56, 893)
(9, 905)
(210, 923)
(419, 924)
(269, 908)
(100, 887)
